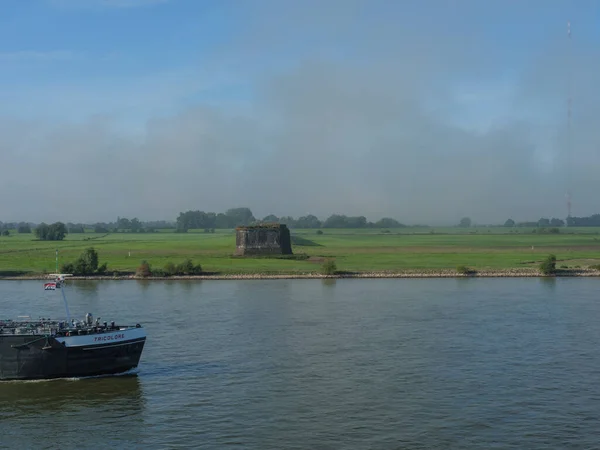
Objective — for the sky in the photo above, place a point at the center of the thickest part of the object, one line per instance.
(421, 110)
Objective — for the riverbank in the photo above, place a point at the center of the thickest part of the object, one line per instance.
(506, 273)
(356, 253)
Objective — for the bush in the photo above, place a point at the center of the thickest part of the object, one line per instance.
(67, 268)
(548, 266)
(86, 264)
(170, 269)
(464, 270)
(595, 267)
(329, 267)
(23, 228)
(319, 231)
(101, 270)
(187, 267)
(144, 270)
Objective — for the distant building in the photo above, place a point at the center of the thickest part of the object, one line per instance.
(266, 239)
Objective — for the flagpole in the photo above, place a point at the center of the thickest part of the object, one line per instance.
(62, 288)
(56, 260)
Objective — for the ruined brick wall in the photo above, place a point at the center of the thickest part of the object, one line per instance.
(263, 240)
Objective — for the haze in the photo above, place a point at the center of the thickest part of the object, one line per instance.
(425, 111)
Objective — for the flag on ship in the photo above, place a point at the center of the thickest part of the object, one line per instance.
(49, 286)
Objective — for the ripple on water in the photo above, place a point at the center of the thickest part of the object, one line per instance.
(478, 363)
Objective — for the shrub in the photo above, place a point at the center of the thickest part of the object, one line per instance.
(170, 269)
(548, 266)
(595, 267)
(144, 270)
(101, 270)
(464, 270)
(187, 267)
(329, 267)
(67, 268)
(86, 264)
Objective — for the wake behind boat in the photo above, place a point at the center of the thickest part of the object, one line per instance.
(47, 348)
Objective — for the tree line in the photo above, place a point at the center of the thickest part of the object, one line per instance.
(543, 222)
(234, 217)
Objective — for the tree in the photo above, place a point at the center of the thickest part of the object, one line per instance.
(41, 231)
(55, 232)
(309, 221)
(543, 222)
(387, 222)
(548, 266)
(144, 269)
(465, 222)
(509, 223)
(288, 220)
(223, 221)
(86, 264)
(329, 267)
(123, 223)
(135, 225)
(240, 216)
(23, 228)
(75, 228)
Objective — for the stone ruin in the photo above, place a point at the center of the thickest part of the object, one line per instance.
(266, 239)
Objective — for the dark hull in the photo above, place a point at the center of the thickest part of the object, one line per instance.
(27, 357)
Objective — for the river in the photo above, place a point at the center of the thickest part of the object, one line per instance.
(324, 364)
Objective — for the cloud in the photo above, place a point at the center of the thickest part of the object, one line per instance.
(125, 97)
(413, 122)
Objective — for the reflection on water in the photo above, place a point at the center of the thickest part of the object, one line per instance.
(85, 287)
(548, 283)
(352, 364)
(144, 284)
(40, 414)
(328, 282)
(39, 397)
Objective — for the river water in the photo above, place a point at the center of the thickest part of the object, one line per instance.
(324, 364)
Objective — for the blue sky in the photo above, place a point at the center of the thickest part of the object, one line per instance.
(249, 77)
(110, 45)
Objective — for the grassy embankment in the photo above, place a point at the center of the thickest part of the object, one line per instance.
(436, 251)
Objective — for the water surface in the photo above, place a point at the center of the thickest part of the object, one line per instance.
(312, 364)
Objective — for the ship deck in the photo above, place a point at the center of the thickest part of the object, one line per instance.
(58, 328)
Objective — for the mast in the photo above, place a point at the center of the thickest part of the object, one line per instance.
(60, 284)
(569, 106)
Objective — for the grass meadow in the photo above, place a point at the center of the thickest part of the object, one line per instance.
(363, 250)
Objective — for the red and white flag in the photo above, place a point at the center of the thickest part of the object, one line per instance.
(49, 286)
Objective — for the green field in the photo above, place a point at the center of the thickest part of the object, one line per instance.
(353, 250)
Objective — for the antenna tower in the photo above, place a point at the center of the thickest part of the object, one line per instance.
(569, 105)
